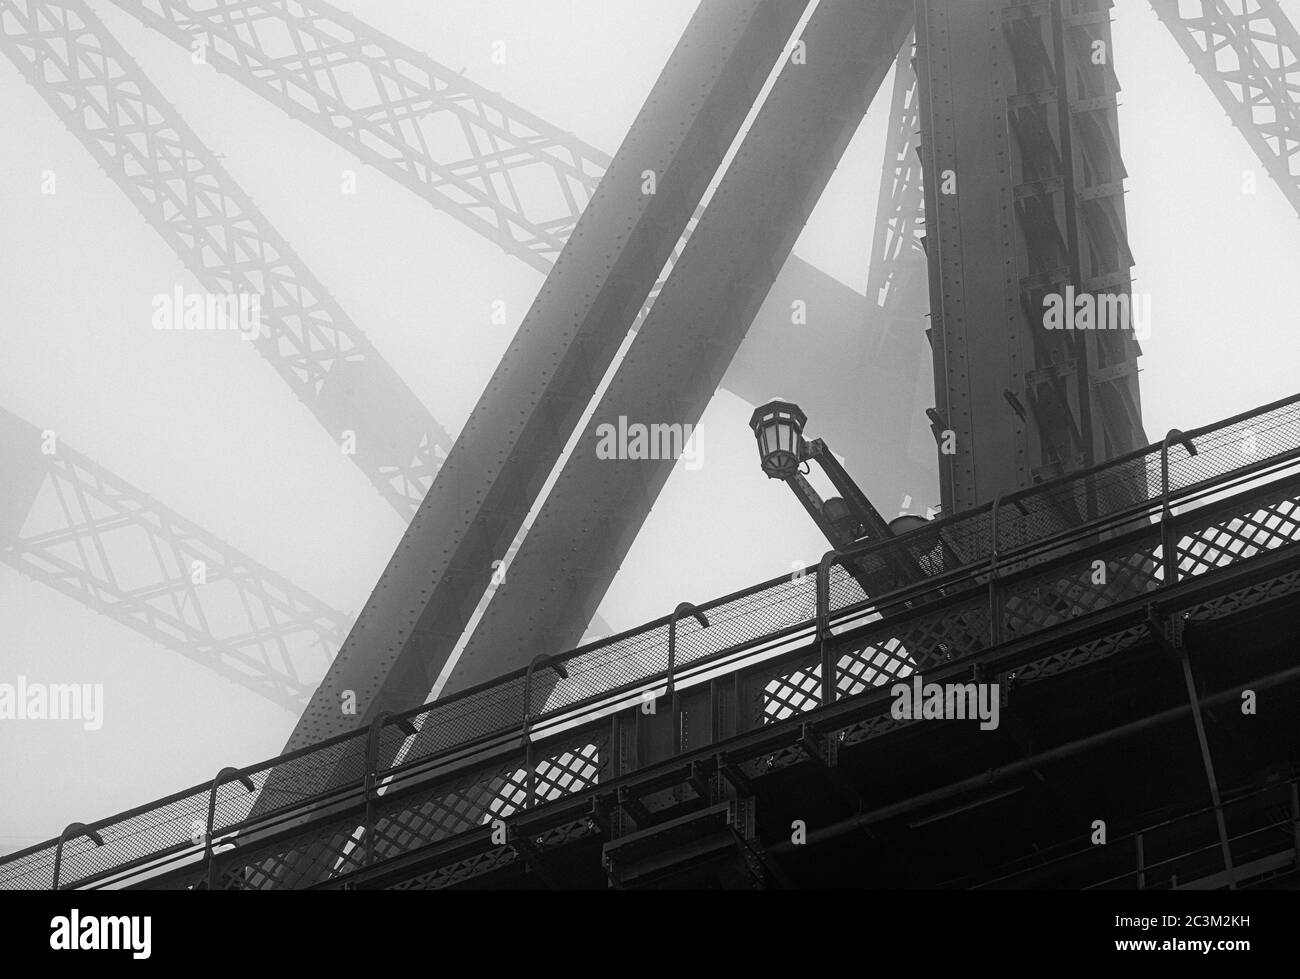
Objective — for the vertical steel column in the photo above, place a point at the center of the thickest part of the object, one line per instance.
(1024, 205)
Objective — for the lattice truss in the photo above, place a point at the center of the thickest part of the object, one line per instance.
(492, 165)
(1028, 595)
(1248, 53)
(95, 537)
(898, 246)
(502, 171)
(224, 240)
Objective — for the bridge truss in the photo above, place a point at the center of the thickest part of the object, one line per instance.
(1074, 407)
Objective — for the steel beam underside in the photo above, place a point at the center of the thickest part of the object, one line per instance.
(675, 364)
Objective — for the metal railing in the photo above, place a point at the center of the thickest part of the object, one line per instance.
(1001, 571)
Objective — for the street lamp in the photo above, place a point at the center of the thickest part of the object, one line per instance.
(782, 449)
(778, 426)
(846, 519)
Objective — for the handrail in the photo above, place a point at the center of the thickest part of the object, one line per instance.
(988, 551)
(1287, 484)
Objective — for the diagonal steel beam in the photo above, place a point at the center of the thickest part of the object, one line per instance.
(672, 369)
(1248, 53)
(497, 168)
(92, 581)
(72, 525)
(548, 375)
(139, 139)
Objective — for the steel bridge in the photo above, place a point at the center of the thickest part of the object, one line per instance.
(1093, 577)
(1121, 611)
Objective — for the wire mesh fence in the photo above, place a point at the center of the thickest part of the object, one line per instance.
(926, 565)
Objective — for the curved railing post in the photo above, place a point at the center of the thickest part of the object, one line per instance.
(823, 600)
(1167, 543)
(526, 735)
(370, 778)
(683, 608)
(209, 852)
(72, 831)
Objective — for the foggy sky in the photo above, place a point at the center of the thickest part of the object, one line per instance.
(204, 426)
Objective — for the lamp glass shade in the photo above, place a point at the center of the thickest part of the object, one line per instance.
(778, 429)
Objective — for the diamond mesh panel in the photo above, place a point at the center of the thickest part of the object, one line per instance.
(794, 692)
(873, 664)
(1095, 581)
(1238, 537)
(411, 820)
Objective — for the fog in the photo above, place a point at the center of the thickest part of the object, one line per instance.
(202, 424)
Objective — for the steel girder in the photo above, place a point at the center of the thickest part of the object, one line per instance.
(899, 241)
(141, 142)
(898, 289)
(527, 151)
(506, 174)
(1248, 52)
(486, 162)
(546, 378)
(1024, 197)
(672, 369)
(70, 524)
